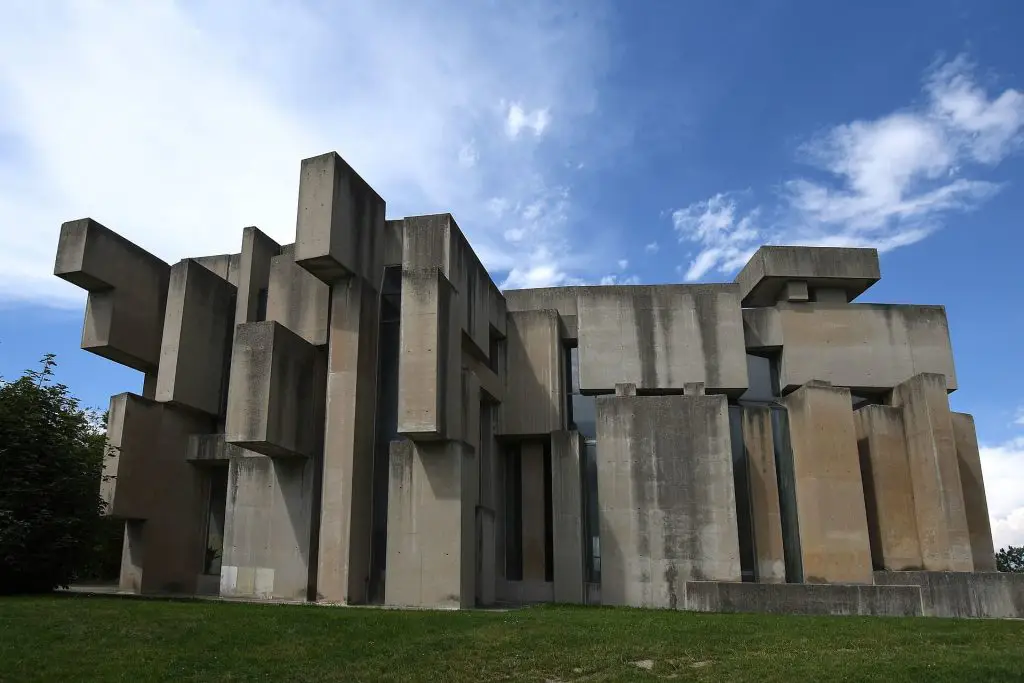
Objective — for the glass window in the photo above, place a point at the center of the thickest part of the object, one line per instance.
(592, 513)
(215, 520)
(762, 373)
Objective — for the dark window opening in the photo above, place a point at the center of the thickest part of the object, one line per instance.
(513, 514)
(786, 477)
(763, 375)
(215, 514)
(741, 482)
(261, 305)
(591, 513)
(549, 541)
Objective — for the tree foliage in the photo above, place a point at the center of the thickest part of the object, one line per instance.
(1010, 559)
(51, 461)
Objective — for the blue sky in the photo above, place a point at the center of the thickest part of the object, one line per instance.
(583, 141)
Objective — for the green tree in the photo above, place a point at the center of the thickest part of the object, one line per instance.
(1010, 559)
(51, 460)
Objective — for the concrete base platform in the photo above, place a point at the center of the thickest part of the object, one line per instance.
(804, 598)
(963, 594)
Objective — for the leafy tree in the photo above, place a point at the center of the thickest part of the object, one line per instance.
(51, 461)
(1010, 559)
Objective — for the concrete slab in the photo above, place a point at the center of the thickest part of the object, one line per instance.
(972, 482)
(567, 517)
(964, 594)
(771, 267)
(534, 387)
(254, 275)
(797, 598)
(766, 519)
(298, 300)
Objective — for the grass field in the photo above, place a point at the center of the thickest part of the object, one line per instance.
(82, 638)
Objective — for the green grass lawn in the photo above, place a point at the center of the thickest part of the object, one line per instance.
(81, 638)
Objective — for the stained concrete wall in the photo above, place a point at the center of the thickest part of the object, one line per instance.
(972, 483)
(531, 461)
(772, 268)
(888, 489)
(766, 519)
(225, 266)
(567, 517)
(298, 300)
(127, 291)
(253, 273)
(934, 473)
(833, 530)
(667, 506)
(197, 332)
(795, 598)
(964, 594)
(534, 384)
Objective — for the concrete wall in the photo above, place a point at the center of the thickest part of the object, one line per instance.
(665, 486)
(766, 519)
(253, 273)
(964, 594)
(567, 517)
(298, 300)
(531, 461)
(972, 483)
(534, 386)
(833, 530)
(772, 268)
(888, 489)
(795, 598)
(934, 474)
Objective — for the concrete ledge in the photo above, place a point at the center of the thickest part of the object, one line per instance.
(804, 598)
(963, 594)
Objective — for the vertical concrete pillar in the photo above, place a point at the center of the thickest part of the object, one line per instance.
(766, 520)
(833, 528)
(888, 491)
(934, 473)
(973, 484)
(132, 556)
(567, 516)
(345, 509)
(534, 500)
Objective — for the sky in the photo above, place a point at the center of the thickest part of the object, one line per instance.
(574, 141)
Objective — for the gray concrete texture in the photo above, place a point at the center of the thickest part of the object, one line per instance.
(963, 594)
(763, 491)
(796, 598)
(567, 517)
(972, 483)
(771, 268)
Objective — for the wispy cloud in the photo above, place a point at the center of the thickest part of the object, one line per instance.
(652, 248)
(177, 124)
(890, 180)
(1019, 417)
(1003, 469)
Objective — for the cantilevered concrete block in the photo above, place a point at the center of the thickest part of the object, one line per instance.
(973, 484)
(833, 529)
(888, 491)
(340, 220)
(765, 517)
(765, 276)
(431, 523)
(254, 275)
(665, 486)
(661, 338)
(429, 358)
(126, 488)
(534, 395)
(934, 473)
(567, 517)
(224, 266)
(197, 329)
(298, 300)
(276, 392)
(127, 289)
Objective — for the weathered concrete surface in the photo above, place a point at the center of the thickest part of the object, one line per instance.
(534, 395)
(935, 474)
(225, 266)
(807, 598)
(340, 227)
(665, 486)
(197, 329)
(567, 516)
(766, 520)
(525, 592)
(964, 594)
(276, 392)
(431, 523)
(211, 448)
(833, 529)
(772, 267)
(127, 288)
(268, 528)
(298, 300)
(661, 337)
(254, 274)
(972, 482)
(888, 489)
(344, 551)
(531, 460)
(867, 347)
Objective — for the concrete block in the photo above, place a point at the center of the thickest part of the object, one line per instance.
(534, 393)
(766, 519)
(973, 485)
(224, 266)
(126, 482)
(934, 473)
(794, 290)
(888, 490)
(276, 392)
(661, 338)
(772, 267)
(964, 594)
(211, 449)
(833, 529)
(667, 505)
(797, 598)
(567, 517)
(127, 290)
(197, 329)
(340, 224)
(254, 275)
(298, 300)
(533, 511)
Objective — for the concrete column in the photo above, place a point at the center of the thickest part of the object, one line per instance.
(345, 512)
(973, 484)
(132, 556)
(567, 516)
(934, 473)
(888, 492)
(766, 520)
(833, 528)
(532, 468)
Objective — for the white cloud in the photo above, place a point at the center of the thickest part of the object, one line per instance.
(651, 248)
(1003, 469)
(518, 119)
(176, 124)
(619, 280)
(623, 264)
(890, 180)
(1019, 418)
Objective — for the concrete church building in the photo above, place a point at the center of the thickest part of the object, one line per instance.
(362, 416)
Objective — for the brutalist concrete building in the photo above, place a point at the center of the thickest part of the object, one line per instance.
(362, 416)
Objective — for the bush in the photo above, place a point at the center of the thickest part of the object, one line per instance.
(51, 461)
(1010, 559)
